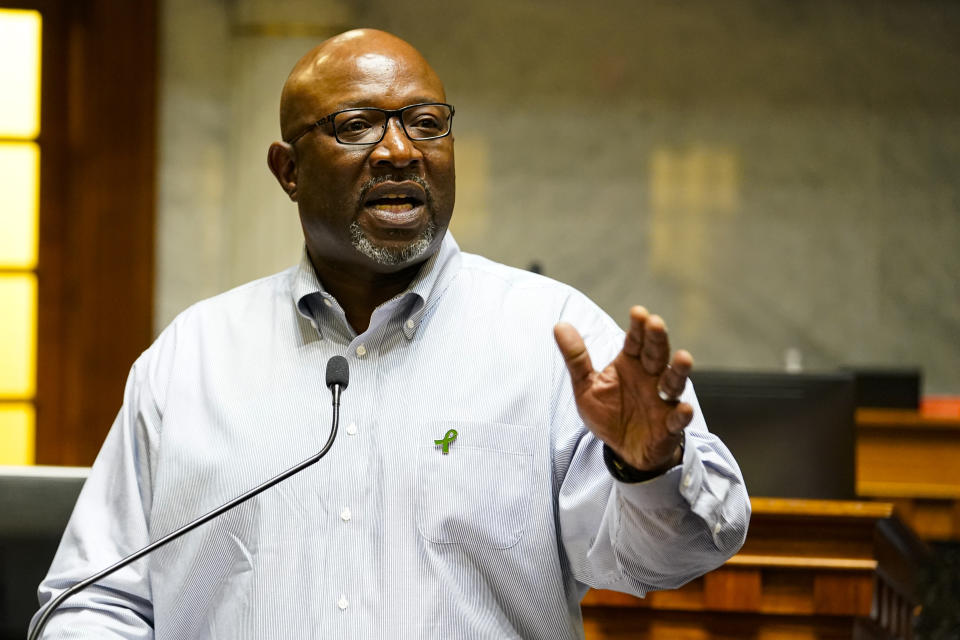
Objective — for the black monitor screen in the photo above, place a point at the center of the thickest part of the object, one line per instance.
(791, 433)
(35, 504)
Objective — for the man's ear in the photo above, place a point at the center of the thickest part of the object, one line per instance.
(281, 158)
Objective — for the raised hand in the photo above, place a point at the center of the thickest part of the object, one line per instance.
(631, 404)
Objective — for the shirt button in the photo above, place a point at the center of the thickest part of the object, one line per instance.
(352, 429)
(345, 515)
(687, 480)
(327, 302)
(716, 528)
(361, 351)
(410, 324)
(343, 603)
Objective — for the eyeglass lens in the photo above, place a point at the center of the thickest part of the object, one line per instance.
(421, 122)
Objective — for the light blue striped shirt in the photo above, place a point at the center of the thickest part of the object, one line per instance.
(387, 536)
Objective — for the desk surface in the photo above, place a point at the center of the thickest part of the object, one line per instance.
(904, 418)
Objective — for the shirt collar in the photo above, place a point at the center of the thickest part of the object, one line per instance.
(424, 291)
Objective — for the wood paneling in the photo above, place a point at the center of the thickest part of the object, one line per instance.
(678, 625)
(98, 130)
(912, 460)
(809, 569)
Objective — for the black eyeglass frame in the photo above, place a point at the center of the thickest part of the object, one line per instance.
(388, 113)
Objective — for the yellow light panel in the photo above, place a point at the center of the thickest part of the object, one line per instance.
(17, 433)
(18, 335)
(19, 204)
(19, 73)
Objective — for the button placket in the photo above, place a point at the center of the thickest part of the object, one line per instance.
(350, 498)
(346, 585)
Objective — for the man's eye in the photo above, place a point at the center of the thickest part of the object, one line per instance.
(426, 124)
(355, 125)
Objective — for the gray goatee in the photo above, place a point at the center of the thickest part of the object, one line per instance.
(391, 257)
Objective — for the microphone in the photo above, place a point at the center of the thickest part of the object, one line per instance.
(338, 375)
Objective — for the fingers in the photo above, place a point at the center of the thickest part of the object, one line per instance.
(673, 380)
(633, 343)
(679, 418)
(575, 354)
(656, 346)
(647, 340)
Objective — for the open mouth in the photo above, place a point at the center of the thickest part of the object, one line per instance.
(394, 204)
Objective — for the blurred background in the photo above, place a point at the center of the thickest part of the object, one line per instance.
(779, 179)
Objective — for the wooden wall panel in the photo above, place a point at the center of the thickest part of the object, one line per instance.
(912, 459)
(98, 143)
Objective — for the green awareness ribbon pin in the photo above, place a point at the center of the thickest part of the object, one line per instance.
(447, 440)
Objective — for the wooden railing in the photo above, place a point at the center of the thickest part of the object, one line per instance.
(819, 569)
(809, 569)
(913, 461)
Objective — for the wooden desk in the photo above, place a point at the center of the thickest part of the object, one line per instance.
(810, 570)
(912, 460)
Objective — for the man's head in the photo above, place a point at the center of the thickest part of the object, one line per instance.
(378, 206)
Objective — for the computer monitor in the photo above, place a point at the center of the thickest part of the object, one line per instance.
(887, 387)
(35, 503)
(791, 433)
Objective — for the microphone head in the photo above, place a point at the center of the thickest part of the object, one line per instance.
(338, 372)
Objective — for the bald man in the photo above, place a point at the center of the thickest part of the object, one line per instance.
(487, 474)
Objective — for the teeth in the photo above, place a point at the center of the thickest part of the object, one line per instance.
(395, 208)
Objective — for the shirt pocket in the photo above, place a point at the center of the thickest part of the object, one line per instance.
(478, 493)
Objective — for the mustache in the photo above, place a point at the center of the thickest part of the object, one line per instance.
(396, 177)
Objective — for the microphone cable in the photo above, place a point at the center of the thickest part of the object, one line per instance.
(338, 376)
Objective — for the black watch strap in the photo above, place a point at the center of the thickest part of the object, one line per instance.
(623, 471)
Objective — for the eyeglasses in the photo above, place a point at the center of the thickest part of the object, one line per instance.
(367, 125)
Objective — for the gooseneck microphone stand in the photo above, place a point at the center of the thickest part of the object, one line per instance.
(337, 379)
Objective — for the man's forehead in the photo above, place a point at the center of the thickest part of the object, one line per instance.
(355, 67)
(338, 71)
(371, 80)
(376, 63)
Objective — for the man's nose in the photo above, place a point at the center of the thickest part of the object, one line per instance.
(396, 149)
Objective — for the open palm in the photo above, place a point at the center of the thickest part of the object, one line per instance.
(630, 403)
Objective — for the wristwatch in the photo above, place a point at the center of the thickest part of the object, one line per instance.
(623, 472)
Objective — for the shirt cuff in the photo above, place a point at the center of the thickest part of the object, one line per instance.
(678, 486)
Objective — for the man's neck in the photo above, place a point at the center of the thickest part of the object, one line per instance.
(359, 292)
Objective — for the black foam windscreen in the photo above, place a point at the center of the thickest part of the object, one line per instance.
(338, 372)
